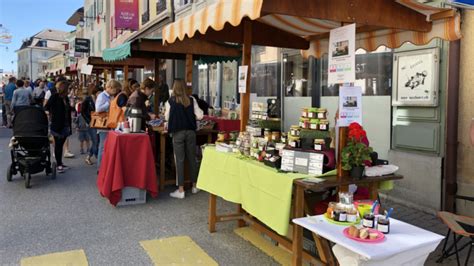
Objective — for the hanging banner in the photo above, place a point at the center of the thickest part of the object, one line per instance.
(126, 14)
(350, 106)
(341, 63)
(243, 70)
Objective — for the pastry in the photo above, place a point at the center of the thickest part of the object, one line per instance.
(364, 233)
(353, 231)
(373, 236)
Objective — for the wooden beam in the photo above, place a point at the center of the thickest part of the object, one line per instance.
(246, 61)
(382, 13)
(156, 98)
(443, 14)
(187, 46)
(98, 62)
(263, 35)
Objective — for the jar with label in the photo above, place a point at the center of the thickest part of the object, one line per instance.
(294, 142)
(383, 225)
(304, 123)
(322, 113)
(312, 112)
(352, 216)
(295, 131)
(319, 144)
(369, 220)
(304, 112)
(267, 134)
(314, 124)
(284, 138)
(324, 125)
(276, 136)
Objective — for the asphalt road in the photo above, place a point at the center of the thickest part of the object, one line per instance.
(68, 213)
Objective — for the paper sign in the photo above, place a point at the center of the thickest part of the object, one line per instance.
(350, 106)
(86, 69)
(301, 161)
(243, 70)
(341, 63)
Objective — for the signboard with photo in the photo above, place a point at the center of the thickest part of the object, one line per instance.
(350, 106)
(126, 14)
(243, 70)
(416, 78)
(342, 55)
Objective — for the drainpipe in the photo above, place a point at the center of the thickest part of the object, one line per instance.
(450, 169)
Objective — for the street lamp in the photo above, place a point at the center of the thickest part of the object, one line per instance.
(98, 18)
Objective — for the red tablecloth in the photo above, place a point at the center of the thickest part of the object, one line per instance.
(127, 162)
(226, 125)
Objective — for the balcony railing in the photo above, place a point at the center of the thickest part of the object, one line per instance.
(160, 6)
(145, 17)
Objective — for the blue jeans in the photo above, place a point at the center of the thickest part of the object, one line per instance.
(102, 138)
(94, 147)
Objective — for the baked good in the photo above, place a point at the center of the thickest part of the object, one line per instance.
(373, 235)
(364, 233)
(354, 231)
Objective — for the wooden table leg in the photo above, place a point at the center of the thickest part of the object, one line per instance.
(298, 230)
(240, 223)
(162, 160)
(324, 250)
(373, 190)
(212, 213)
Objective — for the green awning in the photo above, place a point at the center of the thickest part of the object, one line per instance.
(118, 53)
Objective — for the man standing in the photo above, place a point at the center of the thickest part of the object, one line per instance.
(9, 89)
(21, 97)
(39, 93)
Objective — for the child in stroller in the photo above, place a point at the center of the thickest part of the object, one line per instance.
(30, 145)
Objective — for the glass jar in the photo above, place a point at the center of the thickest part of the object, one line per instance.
(294, 142)
(295, 131)
(322, 113)
(304, 123)
(314, 124)
(276, 136)
(304, 112)
(312, 112)
(324, 125)
(267, 134)
(383, 225)
(284, 138)
(368, 221)
(319, 144)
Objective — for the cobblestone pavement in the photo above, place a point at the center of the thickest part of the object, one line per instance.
(428, 222)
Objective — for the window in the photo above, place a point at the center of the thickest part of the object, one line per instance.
(265, 81)
(295, 74)
(160, 6)
(146, 12)
(100, 5)
(373, 73)
(178, 4)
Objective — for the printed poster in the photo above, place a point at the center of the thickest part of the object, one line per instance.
(86, 69)
(341, 63)
(126, 14)
(350, 106)
(243, 71)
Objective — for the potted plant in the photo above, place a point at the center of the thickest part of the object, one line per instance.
(356, 153)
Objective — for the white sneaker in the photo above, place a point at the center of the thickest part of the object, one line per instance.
(195, 190)
(177, 195)
(68, 155)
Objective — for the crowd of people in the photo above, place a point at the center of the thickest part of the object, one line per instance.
(69, 108)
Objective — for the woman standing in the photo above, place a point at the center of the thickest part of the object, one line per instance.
(181, 113)
(87, 107)
(139, 99)
(102, 104)
(60, 112)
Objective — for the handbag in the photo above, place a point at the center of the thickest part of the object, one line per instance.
(99, 120)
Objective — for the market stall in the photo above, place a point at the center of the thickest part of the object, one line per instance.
(301, 25)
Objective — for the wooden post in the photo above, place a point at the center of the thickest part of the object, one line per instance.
(342, 143)
(125, 74)
(189, 73)
(156, 102)
(246, 60)
(112, 73)
(106, 74)
(212, 213)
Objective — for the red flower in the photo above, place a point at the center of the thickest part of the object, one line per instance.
(356, 132)
(355, 125)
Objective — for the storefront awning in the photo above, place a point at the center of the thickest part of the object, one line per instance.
(204, 51)
(309, 22)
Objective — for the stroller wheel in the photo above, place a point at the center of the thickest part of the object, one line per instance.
(27, 180)
(9, 173)
(53, 171)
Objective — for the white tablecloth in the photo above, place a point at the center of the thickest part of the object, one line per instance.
(405, 245)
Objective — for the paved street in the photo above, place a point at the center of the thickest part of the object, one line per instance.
(69, 214)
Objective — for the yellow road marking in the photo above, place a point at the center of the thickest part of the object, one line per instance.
(180, 250)
(69, 258)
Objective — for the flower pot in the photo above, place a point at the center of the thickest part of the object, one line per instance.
(357, 172)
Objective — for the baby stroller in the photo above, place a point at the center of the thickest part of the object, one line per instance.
(29, 145)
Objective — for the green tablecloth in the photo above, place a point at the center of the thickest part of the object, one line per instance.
(261, 190)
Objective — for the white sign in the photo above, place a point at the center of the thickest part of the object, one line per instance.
(341, 63)
(86, 69)
(416, 79)
(243, 70)
(350, 106)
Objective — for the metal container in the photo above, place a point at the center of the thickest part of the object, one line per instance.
(135, 119)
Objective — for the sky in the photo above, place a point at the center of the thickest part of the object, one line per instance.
(24, 18)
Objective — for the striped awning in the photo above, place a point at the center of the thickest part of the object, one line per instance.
(216, 16)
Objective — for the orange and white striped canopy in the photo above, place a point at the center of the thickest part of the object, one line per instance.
(215, 16)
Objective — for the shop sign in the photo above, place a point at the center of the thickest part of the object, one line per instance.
(82, 45)
(341, 65)
(243, 70)
(416, 76)
(126, 14)
(86, 69)
(350, 106)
